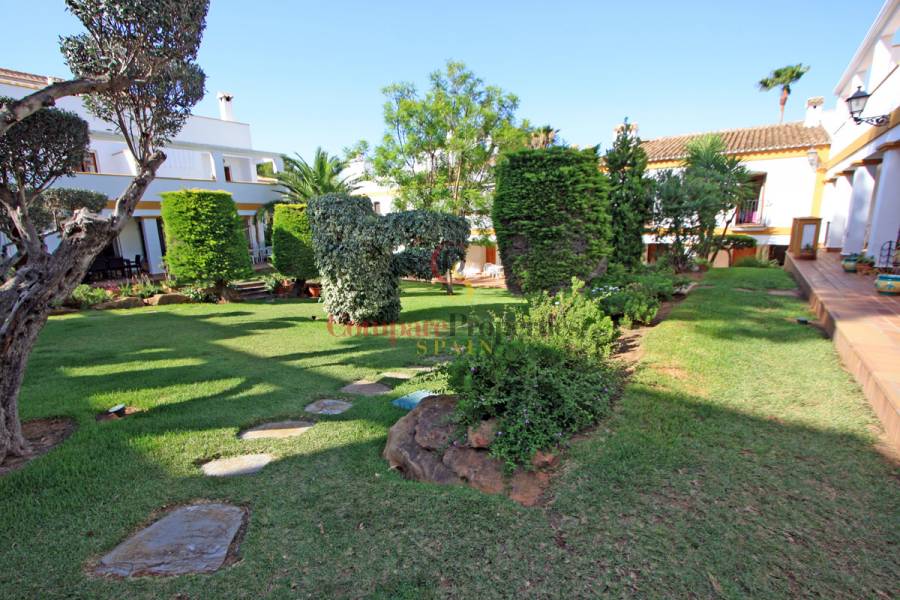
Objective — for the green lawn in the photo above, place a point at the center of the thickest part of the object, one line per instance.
(739, 463)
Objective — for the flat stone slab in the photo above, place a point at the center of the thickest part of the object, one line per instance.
(396, 375)
(365, 388)
(236, 465)
(190, 539)
(276, 430)
(328, 407)
(785, 293)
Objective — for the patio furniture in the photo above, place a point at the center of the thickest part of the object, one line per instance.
(114, 267)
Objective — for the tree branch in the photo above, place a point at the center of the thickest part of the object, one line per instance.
(13, 112)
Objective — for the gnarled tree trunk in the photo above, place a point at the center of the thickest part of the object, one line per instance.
(26, 298)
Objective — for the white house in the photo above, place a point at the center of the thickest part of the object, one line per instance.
(209, 153)
(861, 205)
(787, 164)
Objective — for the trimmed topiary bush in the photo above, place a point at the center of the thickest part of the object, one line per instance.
(292, 249)
(354, 252)
(551, 219)
(354, 256)
(204, 237)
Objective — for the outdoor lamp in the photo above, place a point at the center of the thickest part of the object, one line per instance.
(857, 103)
(813, 157)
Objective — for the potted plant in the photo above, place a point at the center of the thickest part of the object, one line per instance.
(888, 284)
(848, 263)
(807, 251)
(314, 288)
(865, 265)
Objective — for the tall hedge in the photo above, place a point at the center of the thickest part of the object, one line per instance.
(204, 237)
(630, 197)
(551, 218)
(354, 255)
(292, 250)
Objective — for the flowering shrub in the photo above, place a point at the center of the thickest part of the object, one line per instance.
(539, 394)
(570, 321)
(142, 288)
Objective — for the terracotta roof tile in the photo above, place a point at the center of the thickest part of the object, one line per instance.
(766, 138)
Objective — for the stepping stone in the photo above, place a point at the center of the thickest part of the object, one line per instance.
(410, 401)
(236, 465)
(786, 293)
(328, 407)
(365, 388)
(190, 539)
(279, 429)
(396, 375)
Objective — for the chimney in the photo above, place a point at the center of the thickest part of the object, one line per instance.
(226, 112)
(814, 111)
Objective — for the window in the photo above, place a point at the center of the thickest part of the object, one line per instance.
(89, 164)
(751, 213)
(376, 206)
(227, 173)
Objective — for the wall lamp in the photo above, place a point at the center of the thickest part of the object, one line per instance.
(857, 103)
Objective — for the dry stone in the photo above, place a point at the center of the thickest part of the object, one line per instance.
(190, 539)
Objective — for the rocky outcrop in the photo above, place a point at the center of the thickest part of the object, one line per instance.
(126, 302)
(425, 445)
(171, 298)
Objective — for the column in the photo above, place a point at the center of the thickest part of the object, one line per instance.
(218, 161)
(886, 210)
(858, 216)
(840, 204)
(150, 229)
(261, 232)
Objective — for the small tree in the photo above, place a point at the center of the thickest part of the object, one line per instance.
(134, 67)
(551, 218)
(439, 148)
(433, 243)
(693, 209)
(630, 197)
(204, 238)
(292, 250)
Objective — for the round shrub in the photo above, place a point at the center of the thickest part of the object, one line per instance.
(292, 250)
(353, 253)
(551, 219)
(87, 296)
(204, 237)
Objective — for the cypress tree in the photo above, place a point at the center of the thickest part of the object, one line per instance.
(630, 197)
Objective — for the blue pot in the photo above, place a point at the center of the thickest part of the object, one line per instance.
(888, 284)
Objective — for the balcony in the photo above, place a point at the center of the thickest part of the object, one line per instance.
(248, 196)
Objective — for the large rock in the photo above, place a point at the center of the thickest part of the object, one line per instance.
(126, 302)
(483, 435)
(415, 462)
(171, 298)
(435, 427)
(422, 446)
(190, 539)
(477, 468)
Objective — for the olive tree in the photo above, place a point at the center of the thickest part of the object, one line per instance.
(135, 67)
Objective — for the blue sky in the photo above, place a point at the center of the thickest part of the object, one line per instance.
(308, 74)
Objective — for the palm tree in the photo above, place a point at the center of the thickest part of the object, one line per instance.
(783, 77)
(301, 181)
(543, 137)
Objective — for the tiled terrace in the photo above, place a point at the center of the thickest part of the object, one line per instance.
(865, 327)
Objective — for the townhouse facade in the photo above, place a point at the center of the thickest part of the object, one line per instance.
(208, 153)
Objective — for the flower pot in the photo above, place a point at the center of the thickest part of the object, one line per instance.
(864, 268)
(849, 265)
(315, 290)
(888, 284)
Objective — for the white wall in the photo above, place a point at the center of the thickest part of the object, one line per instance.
(130, 241)
(788, 191)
